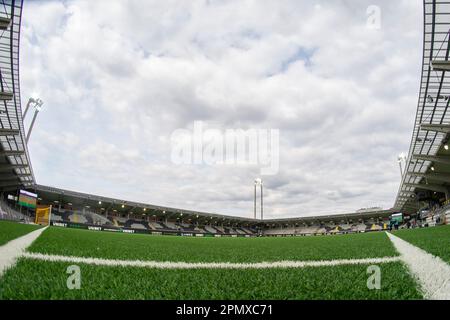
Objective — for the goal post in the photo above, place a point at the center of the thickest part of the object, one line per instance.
(43, 215)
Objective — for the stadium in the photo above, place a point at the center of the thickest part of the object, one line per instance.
(58, 244)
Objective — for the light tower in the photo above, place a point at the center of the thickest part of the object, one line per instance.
(37, 104)
(258, 182)
(30, 101)
(401, 157)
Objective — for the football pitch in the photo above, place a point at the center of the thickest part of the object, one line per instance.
(133, 266)
(10, 230)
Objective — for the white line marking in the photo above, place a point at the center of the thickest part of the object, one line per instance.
(207, 265)
(431, 272)
(13, 249)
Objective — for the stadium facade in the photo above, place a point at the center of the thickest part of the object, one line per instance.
(424, 184)
(15, 165)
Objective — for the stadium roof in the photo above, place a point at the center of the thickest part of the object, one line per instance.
(15, 165)
(97, 203)
(353, 216)
(428, 160)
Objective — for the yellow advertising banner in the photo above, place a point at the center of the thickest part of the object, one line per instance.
(43, 214)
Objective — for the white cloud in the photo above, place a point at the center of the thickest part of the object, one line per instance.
(119, 77)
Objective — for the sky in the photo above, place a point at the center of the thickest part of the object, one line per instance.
(338, 80)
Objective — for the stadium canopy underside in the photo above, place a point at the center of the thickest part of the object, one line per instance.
(427, 170)
(15, 165)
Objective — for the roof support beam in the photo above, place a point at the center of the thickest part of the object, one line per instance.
(432, 187)
(405, 197)
(440, 159)
(444, 128)
(445, 177)
(13, 177)
(8, 167)
(9, 183)
(440, 65)
(11, 153)
(24, 175)
(5, 177)
(9, 132)
(5, 23)
(11, 188)
(6, 95)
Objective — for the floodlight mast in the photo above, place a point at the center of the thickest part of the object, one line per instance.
(262, 206)
(401, 157)
(259, 182)
(38, 103)
(30, 101)
(254, 203)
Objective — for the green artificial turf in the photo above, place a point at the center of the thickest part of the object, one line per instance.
(435, 240)
(33, 279)
(11, 230)
(74, 242)
(37, 279)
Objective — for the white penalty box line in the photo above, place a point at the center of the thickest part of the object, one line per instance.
(205, 265)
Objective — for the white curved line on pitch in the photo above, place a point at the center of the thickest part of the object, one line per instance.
(431, 272)
(13, 249)
(205, 265)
